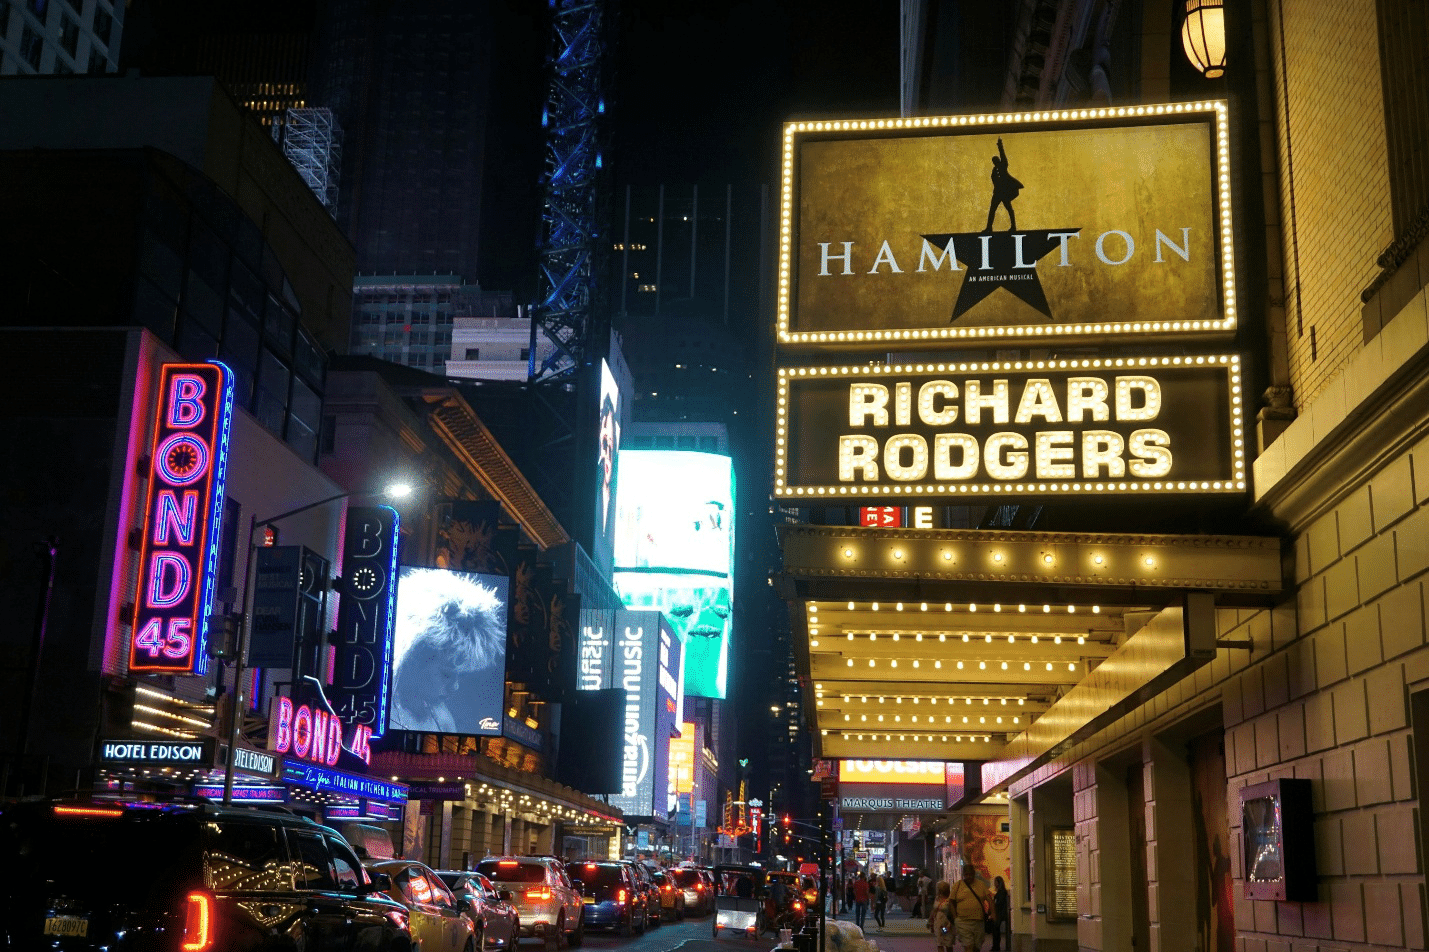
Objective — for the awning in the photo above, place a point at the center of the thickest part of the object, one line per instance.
(1001, 646)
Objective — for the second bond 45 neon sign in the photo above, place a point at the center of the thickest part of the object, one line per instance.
(183, 513)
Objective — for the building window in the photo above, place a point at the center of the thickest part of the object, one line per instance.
(98, 63)
(30, 47)
(38, 8)
(473, 353)
(62, 68)
(103, 24)
(76, 5)
(69, 35)
(525, 353)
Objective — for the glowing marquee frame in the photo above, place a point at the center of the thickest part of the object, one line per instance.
(183, 519)
(783, 437)
(1214, 111)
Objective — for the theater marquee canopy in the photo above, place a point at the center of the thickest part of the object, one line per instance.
(1063, 225)
(1143, 425)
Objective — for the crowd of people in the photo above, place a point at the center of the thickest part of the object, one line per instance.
(959, 915)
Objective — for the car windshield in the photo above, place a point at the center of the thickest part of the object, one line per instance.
(596, 875)
(510, 871)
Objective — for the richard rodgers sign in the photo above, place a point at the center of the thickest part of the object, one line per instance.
(1144, 425)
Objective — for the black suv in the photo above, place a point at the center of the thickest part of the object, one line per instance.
(184, 878)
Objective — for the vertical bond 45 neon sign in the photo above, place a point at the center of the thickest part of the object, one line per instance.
(182, 517)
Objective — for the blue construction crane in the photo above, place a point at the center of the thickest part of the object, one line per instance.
(567, 309)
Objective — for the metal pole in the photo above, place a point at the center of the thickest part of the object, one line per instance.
(235, 706)
(48, 550)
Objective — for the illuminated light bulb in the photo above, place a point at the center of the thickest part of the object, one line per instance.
(984, 702)
(813, 643)
(972, 607)
(947, 556)
(1098, 559)
(1004, 667)
(899, 606)
(1071, 666)
(987, 638)
(1026, 666)
(1016, 720)
(948, 720)
(880, 718)
(850, 636)
(965, 637)
(968, 700)
(982, 720)
(1022, 608)
(873, 636)
(948, 606)
(1034, 639)
(1057, 640)
(850, 606)
(864, 718)
(1046, 609)
(915, 664)
(999, 720)
(898, 554)
(848, 554)
(965, 720)
(1049, 666)
(870, 662)
(897, 719)
(997, 556)
(847, 716)
(1047, 558)
(1002, 701)
(1149, 561)
(982, 665)
(960, 665)
(1011, 639)
(1020, 701)
(923, 607)
(880, 700)
(893, 663)
(997, 607)
(874, 606)
(942, 636)
(1096, 609)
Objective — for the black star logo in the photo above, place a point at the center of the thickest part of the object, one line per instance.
(1002, 259)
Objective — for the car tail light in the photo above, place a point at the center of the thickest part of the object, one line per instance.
(667, 889)
(798, 905)
(198, 922)
(541, 893)
(620, 896)
(87, 811)
(507, 862)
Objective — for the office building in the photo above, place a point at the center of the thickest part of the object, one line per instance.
(45, 37)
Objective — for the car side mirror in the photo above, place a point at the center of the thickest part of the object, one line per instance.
(504, 895)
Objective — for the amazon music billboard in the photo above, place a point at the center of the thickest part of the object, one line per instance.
(1066, 225)
(645, 664)
(1125, 425)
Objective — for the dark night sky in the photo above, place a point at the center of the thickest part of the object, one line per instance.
(701, 89)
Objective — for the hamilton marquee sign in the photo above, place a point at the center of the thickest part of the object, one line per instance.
(1064, 225)
(1127, 425)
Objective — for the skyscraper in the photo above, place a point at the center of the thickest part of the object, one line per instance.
(77, 36)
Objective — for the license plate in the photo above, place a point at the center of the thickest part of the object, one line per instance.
(66, 925)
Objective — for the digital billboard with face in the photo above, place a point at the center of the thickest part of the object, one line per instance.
(449, 652)
(674, 552)
(607, 474)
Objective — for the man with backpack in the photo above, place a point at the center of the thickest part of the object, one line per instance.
(970, 907)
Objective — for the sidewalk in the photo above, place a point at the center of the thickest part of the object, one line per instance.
(902, 934)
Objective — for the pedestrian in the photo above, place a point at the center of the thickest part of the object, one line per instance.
(848, 893)
(1001, 913)
(880, 899)
(940, 920)
(860, 899)
(971, 907)
(922, 891)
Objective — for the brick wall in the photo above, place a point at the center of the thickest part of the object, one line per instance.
(1333, 707)
(1334, 178)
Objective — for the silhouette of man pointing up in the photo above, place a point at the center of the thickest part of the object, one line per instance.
(1004, 190)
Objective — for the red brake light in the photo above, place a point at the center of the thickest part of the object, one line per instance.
(507, 862)
(620, 896)
(798, 906)
(590, 866)
(541, 893)
(198, 922)
(87, 811)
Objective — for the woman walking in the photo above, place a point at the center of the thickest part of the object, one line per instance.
(880, 898)
(1001, 913)
(940, 919)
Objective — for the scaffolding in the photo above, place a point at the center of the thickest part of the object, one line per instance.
(566, 310)
(312, 141)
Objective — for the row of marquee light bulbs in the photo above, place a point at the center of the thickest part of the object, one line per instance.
(949, 720)
(814, 641)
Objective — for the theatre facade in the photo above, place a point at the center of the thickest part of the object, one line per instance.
(1045, 528)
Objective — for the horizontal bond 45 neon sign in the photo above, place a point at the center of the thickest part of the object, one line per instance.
(183, 513)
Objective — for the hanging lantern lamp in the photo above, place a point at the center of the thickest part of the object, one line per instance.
(1203, 35)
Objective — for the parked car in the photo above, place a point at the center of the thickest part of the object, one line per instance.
(489, 907)
(548, 906)
(612, 897)
(672, 898)
(91, 875)
(648, 890)
(699, 900)
(437, 923)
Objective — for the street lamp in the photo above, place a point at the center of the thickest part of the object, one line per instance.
(1203, 35)
(396, 490)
